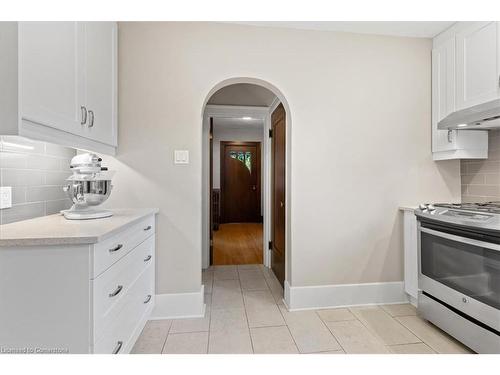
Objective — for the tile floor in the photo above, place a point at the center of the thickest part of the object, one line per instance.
(245, 314)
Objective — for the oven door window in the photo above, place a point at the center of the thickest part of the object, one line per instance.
(471, 270)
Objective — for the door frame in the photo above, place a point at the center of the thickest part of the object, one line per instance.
(223, 144)
(222, 111)
(211, 189)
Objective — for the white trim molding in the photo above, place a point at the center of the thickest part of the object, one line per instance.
(342, 295)
(214, 110)
(179, 305)
(228, 111)
(276, 102)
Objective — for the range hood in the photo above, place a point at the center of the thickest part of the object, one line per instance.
(481, 116)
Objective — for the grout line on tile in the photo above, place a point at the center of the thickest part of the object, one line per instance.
(209, 324)
(248, 323)
(288, 328)
(411, 343)
(394, 317)
(331, 333)
(409, 330)
(166, 337)
(369, 329)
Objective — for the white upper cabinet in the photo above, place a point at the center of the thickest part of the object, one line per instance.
(68, 83)
(101, 81)
(478, 64)
(51, 66)
(464, 73)
(443, 94)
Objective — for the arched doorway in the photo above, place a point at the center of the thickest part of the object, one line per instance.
(275, 209)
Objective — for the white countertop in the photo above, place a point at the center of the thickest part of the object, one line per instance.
(408, 207)
(56, 230)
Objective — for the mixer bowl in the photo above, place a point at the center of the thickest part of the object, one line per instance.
(88, 193)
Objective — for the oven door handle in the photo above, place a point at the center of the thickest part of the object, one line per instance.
(466, 240)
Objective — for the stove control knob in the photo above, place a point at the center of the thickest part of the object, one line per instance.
(423, 207)
(464, 300)
(430, 207)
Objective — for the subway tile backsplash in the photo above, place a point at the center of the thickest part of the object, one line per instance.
(36, 171)
(481, 178)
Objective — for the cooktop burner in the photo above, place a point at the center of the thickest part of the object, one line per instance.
(475, 216)
(491, 207)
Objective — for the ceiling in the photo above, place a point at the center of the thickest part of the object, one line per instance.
(243, 94)
(419, 29)
(237, 123)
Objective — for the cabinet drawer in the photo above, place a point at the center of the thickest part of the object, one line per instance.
(110, 289)
(108, 252)
(117, 336)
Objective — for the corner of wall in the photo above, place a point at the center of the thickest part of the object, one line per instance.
(179, 305)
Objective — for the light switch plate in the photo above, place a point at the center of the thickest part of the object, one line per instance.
(5, 197)
(181, 157)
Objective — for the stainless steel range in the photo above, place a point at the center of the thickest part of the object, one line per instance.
(459, 271)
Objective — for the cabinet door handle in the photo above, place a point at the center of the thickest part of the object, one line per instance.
(148, 258)
(116, 292)
(148, 228)
(118, 347)
(116, 248)
(84, 115)
(91, 119)
(148, 298)
(450, 134)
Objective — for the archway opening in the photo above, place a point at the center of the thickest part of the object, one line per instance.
(246, 174)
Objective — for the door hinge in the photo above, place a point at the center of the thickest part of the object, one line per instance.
(270, 133)
(270, 245)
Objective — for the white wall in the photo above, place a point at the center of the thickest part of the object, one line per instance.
(250, 134)
(8, 78)
(360, 110)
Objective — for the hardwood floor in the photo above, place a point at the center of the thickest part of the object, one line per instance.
(238, 243)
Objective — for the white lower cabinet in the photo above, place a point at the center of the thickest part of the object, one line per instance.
(410, 249)
(85, 298)
(120, 327)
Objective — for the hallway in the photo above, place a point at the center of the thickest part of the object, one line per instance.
(237, 244)
(245, 314)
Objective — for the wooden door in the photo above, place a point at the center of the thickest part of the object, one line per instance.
(478, 64)
(101, 81)
(211, 189)
(278, 122)
(52, 72)
(240, 182)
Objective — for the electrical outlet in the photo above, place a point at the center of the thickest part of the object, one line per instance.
(181, 157)
(5, 197)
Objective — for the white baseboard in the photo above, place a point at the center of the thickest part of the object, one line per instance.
(329, 296)
(179, 305)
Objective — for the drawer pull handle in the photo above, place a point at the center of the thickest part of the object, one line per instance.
(147, 228)
(116, 248)
(117, 290)
(148, 258)
(148, 298)
(118, 347)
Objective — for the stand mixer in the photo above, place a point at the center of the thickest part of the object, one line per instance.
(88, 187)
